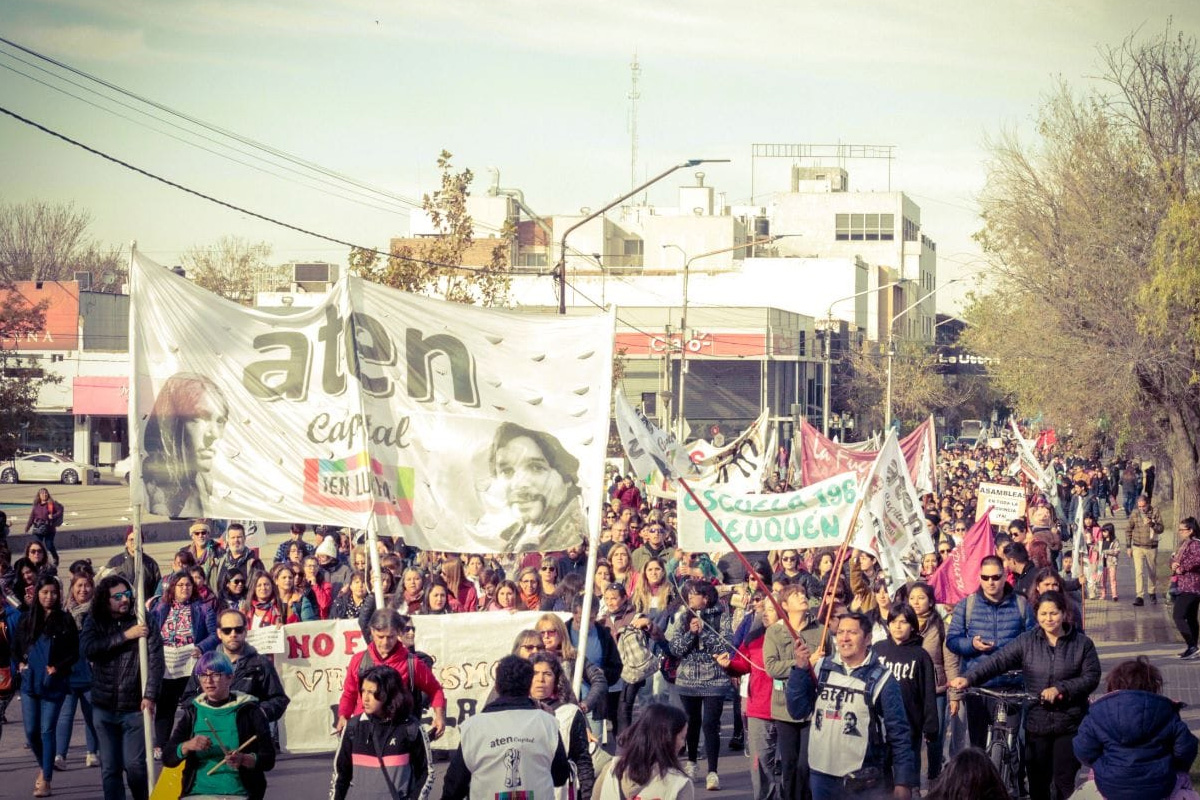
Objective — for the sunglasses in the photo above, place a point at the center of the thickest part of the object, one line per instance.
(945, 552)
(409, 629)
(237, 581)
(549, 569)
(233, 629)
(125, 595)
(991, 577)
(788, 558)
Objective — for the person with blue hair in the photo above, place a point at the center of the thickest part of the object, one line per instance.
(222, 739)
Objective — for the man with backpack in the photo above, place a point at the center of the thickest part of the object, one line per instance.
(982, 623)
(859, 745)
(386, 648)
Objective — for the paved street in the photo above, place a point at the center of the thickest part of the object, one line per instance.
(96, 517)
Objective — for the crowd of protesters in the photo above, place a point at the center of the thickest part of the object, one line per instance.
(841, 681)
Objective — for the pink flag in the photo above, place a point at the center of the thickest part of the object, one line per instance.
(958, 576)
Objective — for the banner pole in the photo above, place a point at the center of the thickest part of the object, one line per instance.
(373, 559)
(750, 570)
(836, 574)
(135, 492)
(585, 616)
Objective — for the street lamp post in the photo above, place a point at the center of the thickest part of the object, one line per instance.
(891, 351)
(828, 354)
(562, 249)
(683, 331)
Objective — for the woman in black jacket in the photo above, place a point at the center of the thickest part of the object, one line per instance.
(47, 648)
(903, 652)
(1059, 664)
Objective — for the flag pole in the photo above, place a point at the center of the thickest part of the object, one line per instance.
(750, 570)
(835, 575)
(136, 494)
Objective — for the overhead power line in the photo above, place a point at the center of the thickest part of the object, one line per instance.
(242, 210)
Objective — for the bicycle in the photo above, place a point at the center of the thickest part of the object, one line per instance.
(1003, 740)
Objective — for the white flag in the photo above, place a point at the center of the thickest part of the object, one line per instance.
(891, 524)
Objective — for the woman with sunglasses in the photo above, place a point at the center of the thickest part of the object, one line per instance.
(556, 639)
(37, 555)
(548, 573)
(47, 647)
(233, 594)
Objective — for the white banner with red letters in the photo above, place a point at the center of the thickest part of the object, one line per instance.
(459, 428)
(464, 647)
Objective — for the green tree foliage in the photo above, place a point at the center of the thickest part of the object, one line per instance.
(21, 378)
(50, 242)
(234, 268)
(431, 268)
(1091, 232)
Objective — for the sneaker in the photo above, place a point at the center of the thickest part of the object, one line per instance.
(92, 760)
(60, 763)
(1195, 655)
(713, 782)
(158, 754)
(1191, 651)
(737, 743)
(1116, 599)
(689, 769)
(1138, 602)
(1153, 599)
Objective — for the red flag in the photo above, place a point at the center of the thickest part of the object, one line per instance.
(958, 576)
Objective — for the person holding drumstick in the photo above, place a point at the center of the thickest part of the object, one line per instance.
(222, 739)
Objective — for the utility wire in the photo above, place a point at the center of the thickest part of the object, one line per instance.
(246, 211)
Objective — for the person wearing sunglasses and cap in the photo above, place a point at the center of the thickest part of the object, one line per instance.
(253, 673)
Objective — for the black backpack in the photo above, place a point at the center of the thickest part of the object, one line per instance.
(421, 701)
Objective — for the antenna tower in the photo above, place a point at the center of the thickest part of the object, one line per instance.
(635, 73)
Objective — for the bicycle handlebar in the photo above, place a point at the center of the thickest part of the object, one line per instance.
(1012, 696)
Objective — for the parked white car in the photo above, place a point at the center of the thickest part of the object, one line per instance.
(46, 468)
(122, 468)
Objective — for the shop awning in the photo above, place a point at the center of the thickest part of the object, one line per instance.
(105, 397)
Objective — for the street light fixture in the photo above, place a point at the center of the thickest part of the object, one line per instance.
(687, 263)
(828, 356)
(891, 349)
(562, 248)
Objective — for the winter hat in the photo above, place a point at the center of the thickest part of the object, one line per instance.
(327, 547)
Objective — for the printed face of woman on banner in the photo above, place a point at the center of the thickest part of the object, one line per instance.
(187, 420)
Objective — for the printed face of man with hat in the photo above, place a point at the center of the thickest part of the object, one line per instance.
(532, 487)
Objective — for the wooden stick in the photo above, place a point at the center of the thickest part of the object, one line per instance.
(213, 731)
(836, 574)
(241, 747)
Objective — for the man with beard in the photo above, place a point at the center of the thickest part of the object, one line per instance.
(110, 642)
(539, 481)
(253, 673)
(236, 555)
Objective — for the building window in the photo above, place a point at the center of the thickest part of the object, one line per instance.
(865, 227)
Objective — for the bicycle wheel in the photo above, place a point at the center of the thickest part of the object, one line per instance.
(1000, 757)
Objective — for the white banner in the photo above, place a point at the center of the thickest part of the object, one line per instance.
(655, 454)
(739, 466)
(464, 647)
(1007, 502)
(459, 428)
(815, 516)
(891, 524)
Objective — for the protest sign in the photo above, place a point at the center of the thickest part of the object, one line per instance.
(1007, 502)
(821, 458)
(464, 647)
(457, 427)
(179, 662)
(269, 639)
(815, 516)
(891, 525)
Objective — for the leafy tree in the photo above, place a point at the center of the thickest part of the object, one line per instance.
(234, 268)
(49, 241)
(1092, 235)
(432, 267)
(20, 377)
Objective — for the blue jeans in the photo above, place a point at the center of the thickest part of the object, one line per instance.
(827, 787)
(66, 721)
(122, 753)
(40, 715)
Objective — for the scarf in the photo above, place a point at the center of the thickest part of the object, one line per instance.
(533, 602)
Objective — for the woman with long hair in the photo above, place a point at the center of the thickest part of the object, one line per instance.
(78, 604)
(437, 598)
(1185, 566)
(38, 556)
(506, 597)
(45, 516)
(932, 628)
(557, 640)
(47, 647)
(188, 417)
(412, 591)
(234, 594)
(293, 605)
(622, 567)
(653, 593)
(970, 775)
(529, 591)
(349, 604)
(647, 762)
(699, 637)
(1058, 663)
(185, 624)
(463, 596)
(263, 606)
(551, 687)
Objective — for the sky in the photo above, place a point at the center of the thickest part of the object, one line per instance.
(536, 90)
